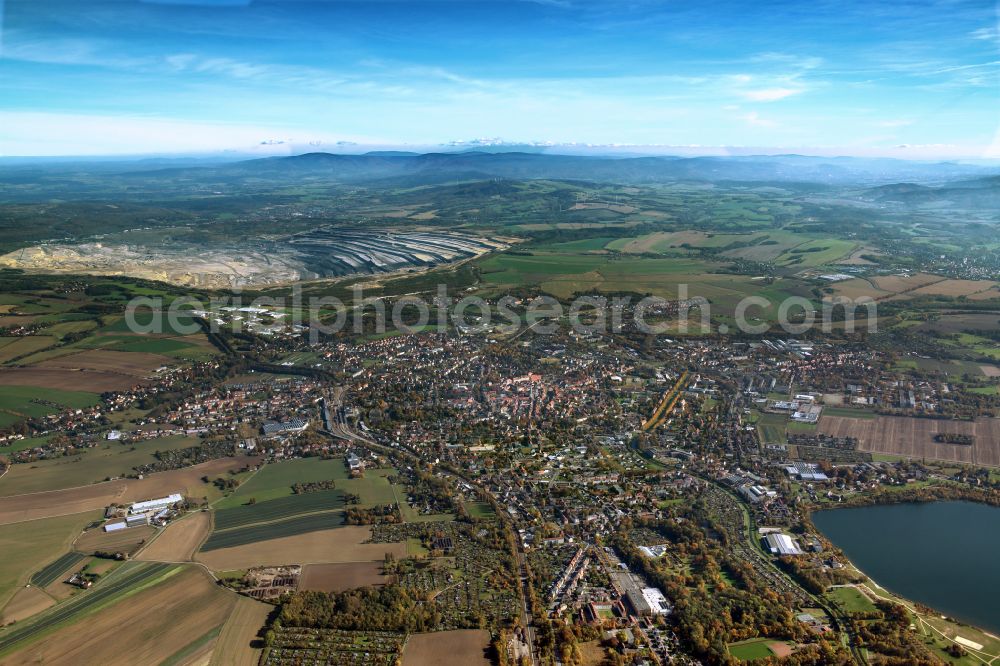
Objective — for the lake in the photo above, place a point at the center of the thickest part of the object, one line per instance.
(942, 554)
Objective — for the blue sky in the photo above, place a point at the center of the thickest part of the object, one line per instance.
(129, 76)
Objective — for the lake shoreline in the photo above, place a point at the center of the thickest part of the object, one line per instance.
(895, 555)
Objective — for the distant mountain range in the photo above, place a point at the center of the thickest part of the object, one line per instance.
(412, 168)
(977, 193)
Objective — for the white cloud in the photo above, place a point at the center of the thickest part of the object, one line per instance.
(986, 34)
(31, 133)
(753, 118)
(770, 94)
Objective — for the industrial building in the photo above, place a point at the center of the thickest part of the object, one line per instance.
(805, 472)
(295, 425)
(156, 504)
(782, 544)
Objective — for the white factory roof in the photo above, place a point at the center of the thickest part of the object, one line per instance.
(152, 504)
(782, 544)
(657, 602)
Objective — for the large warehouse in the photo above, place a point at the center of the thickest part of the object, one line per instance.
(156, 504)
(782, 544)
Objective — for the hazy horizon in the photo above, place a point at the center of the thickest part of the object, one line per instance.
(179, 76)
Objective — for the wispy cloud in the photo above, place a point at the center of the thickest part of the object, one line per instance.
(753, 118)
(991, 34)
(770, 94)
(895, 123)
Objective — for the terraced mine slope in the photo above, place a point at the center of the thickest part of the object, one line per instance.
(318, 253)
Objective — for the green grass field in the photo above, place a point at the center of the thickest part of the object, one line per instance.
(849, 412)
(850, 600)
(21, 402)
(480, 510)
(817, 253)
(752, 649)
(89, 466)
(771, 429)
(565, 274)
(50, 539)
(275, 480)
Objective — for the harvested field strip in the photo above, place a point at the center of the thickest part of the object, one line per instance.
(51, 572)
(126, 581)
(179, 541)
(201, 646)
(234, 647)
(267, 531)
(285, 507)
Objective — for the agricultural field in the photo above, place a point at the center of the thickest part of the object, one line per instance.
(127, 541)
(914, 437)
(135, 364)
(339, 577)
(275, 480)
(171, 612)
(563, 275)
(126, 580)
(816, 253)
(179, 541)
(462, 646)
(25, 401)
(14, 348)
(278, 509)
(249, 534)
(110, 460)
(26, 602)
(54, 570)
(187, 481)
(50, 540)
(235, 645)
(342, 544)
(65, 381)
